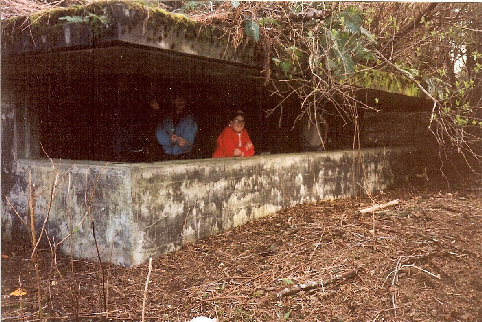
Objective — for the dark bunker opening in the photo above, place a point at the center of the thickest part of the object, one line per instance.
(93, 104)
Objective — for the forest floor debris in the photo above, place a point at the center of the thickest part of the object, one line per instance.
(417, 260)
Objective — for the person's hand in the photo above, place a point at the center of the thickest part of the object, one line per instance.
(173, 138)
(249, 145)
(237, 152)
(181, 142)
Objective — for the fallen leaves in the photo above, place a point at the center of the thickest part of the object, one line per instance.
(18, 292)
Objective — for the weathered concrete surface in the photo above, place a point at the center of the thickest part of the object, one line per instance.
(8, 164)
(82, 194)
(396, 129)
(103, 23)
(145, 209)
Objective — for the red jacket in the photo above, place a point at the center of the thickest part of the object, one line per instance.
(229, 140)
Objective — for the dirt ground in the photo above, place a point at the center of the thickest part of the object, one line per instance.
(418, 260)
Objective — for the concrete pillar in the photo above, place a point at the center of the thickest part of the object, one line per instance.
(9, 157)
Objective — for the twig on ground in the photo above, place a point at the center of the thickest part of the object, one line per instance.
(315, 284)
(225, 297)
(20, 302)
(108, 273)
(145, 289)
(378, 207)
(89, 204)
(395, 281)
(102, 269)
(421, 269)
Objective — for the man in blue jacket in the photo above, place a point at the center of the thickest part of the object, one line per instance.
(177, 131)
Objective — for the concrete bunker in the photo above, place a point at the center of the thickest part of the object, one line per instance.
(78, 95)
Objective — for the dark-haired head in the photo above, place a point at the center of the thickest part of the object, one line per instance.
(236, 114)
(179, 103)
(237, 121)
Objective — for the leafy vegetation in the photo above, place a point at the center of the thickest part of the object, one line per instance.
(324, 51)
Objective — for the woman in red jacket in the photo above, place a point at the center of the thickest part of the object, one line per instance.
(234, 140)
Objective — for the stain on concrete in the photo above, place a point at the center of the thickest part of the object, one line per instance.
(141, 210)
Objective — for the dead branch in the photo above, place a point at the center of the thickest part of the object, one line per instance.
(215, 298)
(421, 269)
(315, 284)
(394, 282)
(145, 289)
(34, 256)
(15, 212)
(378, 207)
(407, 74)
(101, 266)
(89, 205)
(416, 21)
(312, 14)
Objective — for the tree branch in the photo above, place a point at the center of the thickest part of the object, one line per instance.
(415, 22)
(409, 76)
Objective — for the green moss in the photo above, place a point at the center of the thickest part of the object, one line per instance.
(387, 82)
(103, 17)
(51, 17)
(127, 12)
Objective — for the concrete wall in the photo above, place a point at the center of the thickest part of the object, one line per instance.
(140, 210)
(145, 209)
(396, 129)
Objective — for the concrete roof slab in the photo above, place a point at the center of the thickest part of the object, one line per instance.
(105, 22)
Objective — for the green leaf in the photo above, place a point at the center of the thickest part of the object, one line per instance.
(252, 29)
(285, 66)
(295, 51)
(351, 19)
(460, 121)
(353, 27)
(276, 60)
(268, 21)
(97, 18)
(347, 62)
(287, 315)
(76, 229)
(222, 287)
(368, 34)
(287, 281)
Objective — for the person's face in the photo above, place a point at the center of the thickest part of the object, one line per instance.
(237, 123)
(154, 105)
(179, 104)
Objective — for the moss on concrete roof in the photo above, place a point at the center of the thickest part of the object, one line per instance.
(54, 16)
(101, 15)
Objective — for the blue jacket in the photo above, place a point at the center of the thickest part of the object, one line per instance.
(185, 128)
